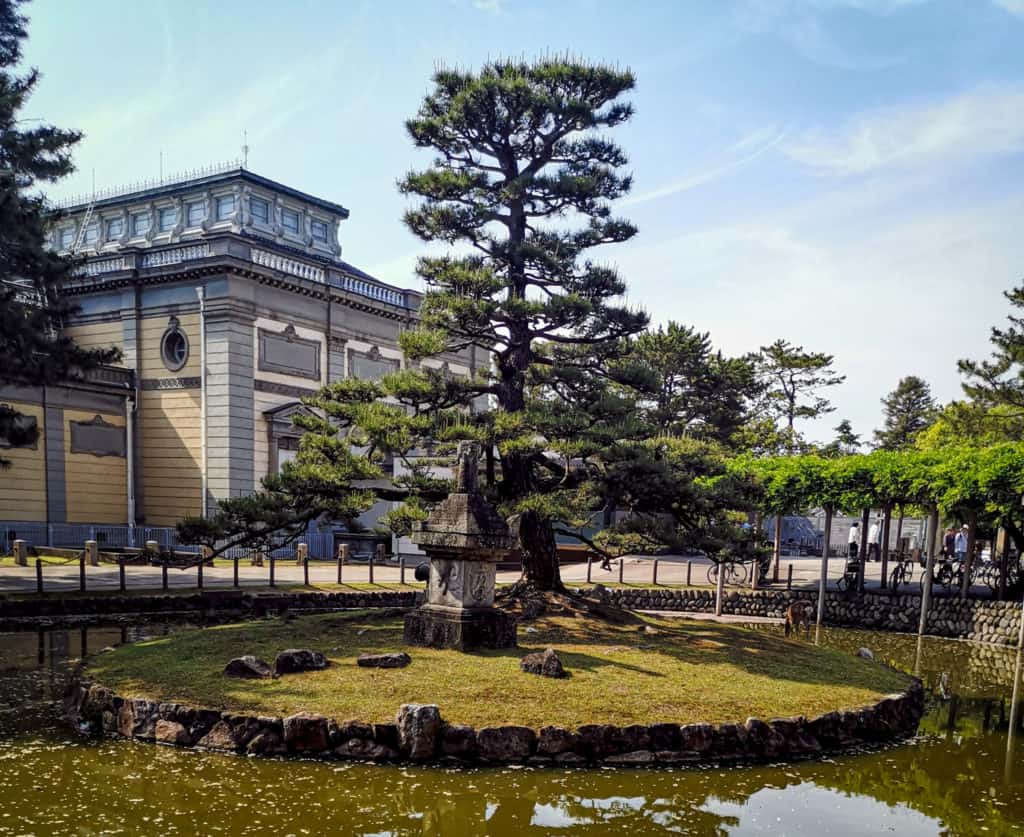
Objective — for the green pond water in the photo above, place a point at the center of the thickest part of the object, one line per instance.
(963, 775)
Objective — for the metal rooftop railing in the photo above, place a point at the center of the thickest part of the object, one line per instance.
(143, 185)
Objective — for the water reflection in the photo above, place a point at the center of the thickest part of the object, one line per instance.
(958, 778)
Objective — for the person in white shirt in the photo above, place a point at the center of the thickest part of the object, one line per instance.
(874, 539)
(854, 540)
(960, 544)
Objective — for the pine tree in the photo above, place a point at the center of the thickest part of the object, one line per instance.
(845, 443)
(999, 382)
(907, 410)
(32, 349)
(518, 158)
(792, 381)
(696, 391)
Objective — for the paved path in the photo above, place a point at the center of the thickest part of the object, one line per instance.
(672, 570)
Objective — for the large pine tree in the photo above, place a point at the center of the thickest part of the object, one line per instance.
(520, 161)
(32, 349)
(999, 382)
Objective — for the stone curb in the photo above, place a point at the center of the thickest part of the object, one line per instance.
(227, 602)
(420, 735)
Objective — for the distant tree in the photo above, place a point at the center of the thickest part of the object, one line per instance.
(695, 390)
(32, 349)
(793, 380)
(970, 424)
(906, 412)
(999, 382)
(845, 443)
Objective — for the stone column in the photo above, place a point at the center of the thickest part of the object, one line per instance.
(301, 553)
(92, 553)
(20, 553)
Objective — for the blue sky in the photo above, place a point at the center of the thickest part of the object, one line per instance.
(846, 174)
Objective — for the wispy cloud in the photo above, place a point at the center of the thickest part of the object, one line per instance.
(760, 141)
(987, 121)
(1014, 7)
(490, 6)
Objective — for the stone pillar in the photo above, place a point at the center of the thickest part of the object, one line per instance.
(92, 552)
(20, 553)
(464, 538)
(301, 554)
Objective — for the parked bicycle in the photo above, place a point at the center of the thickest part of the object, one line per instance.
(848, 580)
(902, 573)
(734, 573)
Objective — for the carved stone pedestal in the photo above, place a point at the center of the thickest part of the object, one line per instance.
(463, 630)
(464, 538)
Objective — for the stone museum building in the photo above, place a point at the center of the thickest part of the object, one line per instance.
(229, 299)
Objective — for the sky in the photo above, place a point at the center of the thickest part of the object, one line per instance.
(845, 174)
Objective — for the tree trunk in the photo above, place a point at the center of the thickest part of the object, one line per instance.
(540, 552)
(777, 547)
(886, 523)
(865, 517)
(899, 532)
(972, 529)
(823, 581)
(926, 588)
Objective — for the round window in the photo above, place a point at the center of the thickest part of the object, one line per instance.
(174, 349)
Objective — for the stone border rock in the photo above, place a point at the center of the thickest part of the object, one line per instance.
(421, 735)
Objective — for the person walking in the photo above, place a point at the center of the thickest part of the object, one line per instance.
(874, 539)
(960, 544)
(854, 540)
(949, 544)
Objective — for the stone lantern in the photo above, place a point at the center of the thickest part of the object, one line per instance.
(464, 537)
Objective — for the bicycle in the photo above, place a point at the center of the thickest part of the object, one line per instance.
(902, 573)
(943, 574)
(734, 573)
(848, 580)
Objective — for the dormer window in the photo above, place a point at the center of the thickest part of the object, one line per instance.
(319, 230)
(167, 218)
(140, 223)
(196, 213)
(260, 210)
(290, 221)
(67, 238)
(115, 228)
(92, 234)
(225, 207)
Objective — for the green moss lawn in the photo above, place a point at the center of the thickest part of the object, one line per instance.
(659, 670)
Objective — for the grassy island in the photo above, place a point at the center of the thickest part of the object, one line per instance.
(646, 671)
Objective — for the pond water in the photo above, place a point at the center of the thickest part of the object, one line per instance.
(963, 775)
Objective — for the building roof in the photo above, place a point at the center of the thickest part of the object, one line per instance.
(188, 182)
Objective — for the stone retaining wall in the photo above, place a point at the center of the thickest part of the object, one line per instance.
(58, 609)
(981, 620)
(421, 735)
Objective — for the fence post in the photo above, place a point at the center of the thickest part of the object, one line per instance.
(719, 584)
(20, 553)
(92, 553)
(234, 570)
(590, 562)
(789, 578)
(689, 572)
(39, 576)
(621, 569)
(654, 573)
(163, 575)
(120, 574)
(401, 570)
(81, 572)
(199, 573)
(272, 559)
(305, 570)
